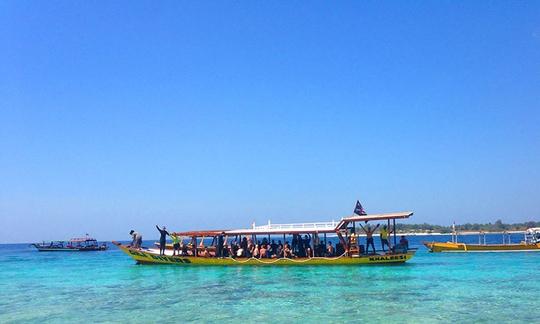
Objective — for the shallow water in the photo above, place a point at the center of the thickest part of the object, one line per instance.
(110, 287)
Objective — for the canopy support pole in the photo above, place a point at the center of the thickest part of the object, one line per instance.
(283, 247)
(312, 245)
(394, 230)
(394, 224)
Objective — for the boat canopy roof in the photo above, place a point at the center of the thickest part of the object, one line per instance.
(372, 217)
(82, 239)
(295, 228)
(299, 228)
(200, 233)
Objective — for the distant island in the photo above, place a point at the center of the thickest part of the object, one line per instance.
(498, 226)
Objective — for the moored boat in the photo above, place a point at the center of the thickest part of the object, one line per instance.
(198, 252)
(530, 243)
(80, 244)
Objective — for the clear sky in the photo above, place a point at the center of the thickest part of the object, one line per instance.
(126, 114)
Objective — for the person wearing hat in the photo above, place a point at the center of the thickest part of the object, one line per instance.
(162, 239)
(137, 239)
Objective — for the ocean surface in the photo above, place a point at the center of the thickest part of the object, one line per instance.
(109, 287)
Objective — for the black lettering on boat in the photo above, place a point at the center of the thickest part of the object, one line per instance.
(137, 253)
(387, 258)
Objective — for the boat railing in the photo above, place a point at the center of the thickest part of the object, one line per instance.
(316, 226)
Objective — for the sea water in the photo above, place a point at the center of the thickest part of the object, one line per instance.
(109, 287)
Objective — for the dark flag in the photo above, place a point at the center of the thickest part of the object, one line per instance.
(359, 210)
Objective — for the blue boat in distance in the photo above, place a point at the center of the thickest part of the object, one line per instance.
(79, 244)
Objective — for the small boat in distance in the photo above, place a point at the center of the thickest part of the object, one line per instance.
(530, 243)
(200, 251)
(78, 244)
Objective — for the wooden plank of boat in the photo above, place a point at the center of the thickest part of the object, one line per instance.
(149, 256)
(462, 247)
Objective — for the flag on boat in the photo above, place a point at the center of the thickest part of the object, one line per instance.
(359, 210)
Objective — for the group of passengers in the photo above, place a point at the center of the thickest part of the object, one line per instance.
(248, 247)
(300, 246)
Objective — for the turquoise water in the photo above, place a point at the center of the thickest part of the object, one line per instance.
(109, 287)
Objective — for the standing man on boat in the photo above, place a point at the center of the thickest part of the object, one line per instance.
(384, 236)
(162, 239)
(220, 244)
(176, 243)
(137, 239)
(369, 237)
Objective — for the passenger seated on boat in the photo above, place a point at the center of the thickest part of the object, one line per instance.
(309, 252)
(287, 252)
(181, 248)
(403, 241)
(244, 246)
(278, 253)
(233, 249)
(267, 251)
(256, 251)
(240, 252)
(263, 251)
(330, 250)
(274, 247)
(249, 251)
(206, 253)
(184, 248)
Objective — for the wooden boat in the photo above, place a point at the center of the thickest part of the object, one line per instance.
(198, 253)
(530, 243)
(83, 244)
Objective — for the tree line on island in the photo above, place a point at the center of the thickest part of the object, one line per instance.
(498, 226)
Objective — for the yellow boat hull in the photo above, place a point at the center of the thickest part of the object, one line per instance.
(462, 247)
(149, 257)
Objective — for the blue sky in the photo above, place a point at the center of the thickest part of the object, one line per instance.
(124, 115)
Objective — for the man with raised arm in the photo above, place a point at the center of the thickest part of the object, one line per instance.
(162, 239)
(369, 237)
